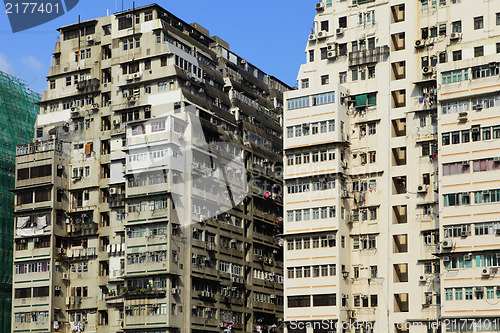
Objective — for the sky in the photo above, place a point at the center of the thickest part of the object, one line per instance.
(270, 34)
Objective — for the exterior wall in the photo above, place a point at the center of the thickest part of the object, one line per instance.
(404, 128)
(149, 129)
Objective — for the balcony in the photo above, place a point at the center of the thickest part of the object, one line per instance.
(368, 56)
(144, 293)
(88, 86)
(39, 147)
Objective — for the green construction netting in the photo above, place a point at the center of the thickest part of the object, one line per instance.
(18, 112)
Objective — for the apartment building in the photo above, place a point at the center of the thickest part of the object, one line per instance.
(150, 198)
(390, 157)
(17, 107)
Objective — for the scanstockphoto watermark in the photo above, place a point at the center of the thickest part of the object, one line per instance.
(26, 14)
(170, 152)
(452, 325)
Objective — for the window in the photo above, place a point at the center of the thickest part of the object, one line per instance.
(373, 271)
(297, 103)
(324, 79)
(442, 29)
(343, 22)
(52, 84)
(324, 25)
(456, 26)
(343, 76)
(371, 72)
(442, 57)
(354, 73)
(342, 49)
(324, 300)
(323, 53)
(478, 23)
(457, 55)
(445, 139)
(305, 83)
(148, 16)
(299, 301)
(311, 55)
(478, 51)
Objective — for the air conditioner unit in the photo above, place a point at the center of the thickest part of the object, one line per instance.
(422, 188)
(475, 129)
(272, 296)
(57, 288)
(312, 37)
(322, 34)
(137, 75)
(446, 258)
(496, 159)
(330, 237)
(64, 276)
(127, 229)
(465, 162)
(22, 241)
(90, 38)
(464, 233)
(446, 244)
(486, 192)
(477, 107)
(95, 105)
(485, 272)
(467, 257)
(243, 62)
(331, 47)
(419, 43)
(176, 291)
(493, 64)
(339, 31)
(462, 116)
(129, 77)
(426, 70)
(497, 255)
(116, 122)
(454, 35)
(331, 54)
(422, 278)
(112, 190)
(320, 6)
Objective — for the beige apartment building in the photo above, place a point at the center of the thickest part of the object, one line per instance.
(150, 198)
(392, 169)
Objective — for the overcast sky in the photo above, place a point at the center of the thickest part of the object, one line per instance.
(270, 34)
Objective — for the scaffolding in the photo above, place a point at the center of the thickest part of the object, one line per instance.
(18, 111)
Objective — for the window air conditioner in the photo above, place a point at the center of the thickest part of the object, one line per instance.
(419, 43)
(446, 244)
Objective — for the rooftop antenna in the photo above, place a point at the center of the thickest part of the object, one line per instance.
(122, 5)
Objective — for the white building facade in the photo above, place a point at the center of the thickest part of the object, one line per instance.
(391, 169)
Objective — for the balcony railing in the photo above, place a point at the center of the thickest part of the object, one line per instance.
(368, 56)
(39, 147)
